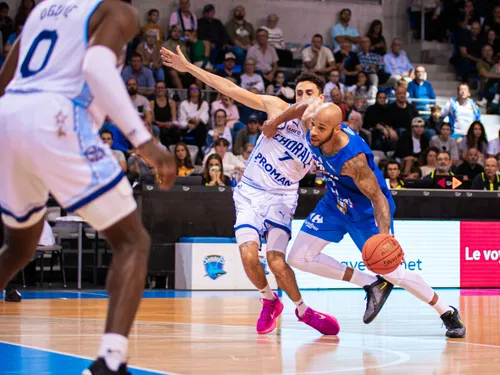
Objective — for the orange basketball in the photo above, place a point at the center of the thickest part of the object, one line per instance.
(382, 254)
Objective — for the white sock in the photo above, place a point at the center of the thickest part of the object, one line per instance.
(114, 350)
(361, 279)
(301, 306)
(496, 99)
(267, 293)
(441, 306)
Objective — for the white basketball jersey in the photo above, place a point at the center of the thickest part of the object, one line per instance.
(52, 47)
(279, 163)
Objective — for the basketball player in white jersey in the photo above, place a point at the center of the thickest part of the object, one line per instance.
(61, 77)
(266, 197)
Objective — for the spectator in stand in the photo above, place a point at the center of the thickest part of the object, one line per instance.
(17, 32)
(377, 40)
(421, 89)
(317, 58)
(212, 30)
(150, 52)
(120, 142)
(219, 130)
(470, 167)
(428, 160)
(193, 117)
(264, 55)
(183, 17)
(152, 25)
(392, 172)
(199, 51)
(489, 179)
(355, 122)
(334, 81)
(384, 137)
(469, 43)
(142, 75)
(432, 9)
(246, 151)
(23, 11)
(443, 167)
(280, 88)
(337, 97)
(165, 115)
(411, 144)
(140, 102)
(488, 76)
(107, 138)
(347, 63)
(360, 105)
(342, 31)
(230, 109)
(277, 41)
(495, 21)
(139, 171)
(397, 62)
(249, 134)
(492, 39)
(400, 114)
(213, 173)
(373, 65)
(171, 44)
(375, 114)
(228, 71)
(363, 88)
(6, 24)
(349, 101)
(414, 174)
(444, 142)
(231, 163)
(433, 123)
(240, 33)
(475, 138)
(183, 160)
(461, 111)
(250, 80)
(494, 146)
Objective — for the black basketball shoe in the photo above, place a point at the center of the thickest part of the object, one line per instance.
(99, 367)
(376, 295)
(455, 328)
(12, 295)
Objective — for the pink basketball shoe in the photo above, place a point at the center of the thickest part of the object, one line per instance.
(270, 312)
(325, 324)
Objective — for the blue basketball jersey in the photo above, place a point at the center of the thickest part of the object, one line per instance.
(343, 196)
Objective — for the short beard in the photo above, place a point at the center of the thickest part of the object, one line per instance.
(326, 140)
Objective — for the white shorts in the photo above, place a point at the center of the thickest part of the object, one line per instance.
(50, 145)
(261, 210)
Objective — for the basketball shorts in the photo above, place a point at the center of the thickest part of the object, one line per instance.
(260, 210)
(333, 226)
(50, 145)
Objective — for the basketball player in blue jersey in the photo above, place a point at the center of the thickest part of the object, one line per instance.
(266, 199)
(60, 78)
(357, 203)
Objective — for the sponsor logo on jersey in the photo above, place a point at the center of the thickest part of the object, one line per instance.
(264, 164)
(296, 148)
(214, 266)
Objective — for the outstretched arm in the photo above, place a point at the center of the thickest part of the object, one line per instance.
(270, 104)
(357, 168)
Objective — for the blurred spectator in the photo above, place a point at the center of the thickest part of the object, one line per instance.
(433, 123)
(360, 105)
(120, 142)
(411, 144)
(492, 39)
(16, 33)
(246, 151)
(152, 25)
(150, 52)
(363, 88)
(349, 101)
(240, 33)
(183, 160)
(461, 111)
(140, 102)
(494, 146)
(249, 134)
(231, 163)
(6, 24)
(470, 14)
(421, 89)
(469, 44)
(443, 141)
(443, 166)
(392, 171)
(336, 98)
(470, 167)
(397, 62)
(213, 173)
(475, 138)
(428, 160)
(229, 63)
(415, 173)
(183, 17)
(347, 63)
(165, 115)
(432, 9)
(373, 65)
(227, 104)
(250, 80)
(219, 130)
(489, 179)
(375, 114)
(193, 117)
(199, 50)
(355, 122)
(277, 41)
(264, 55)
(317, 58)
(212, 30)
(342, 31)
(139, 170)
(171, 44)
(400, 114)
(107, 138)
(23, 11)
(488, 76)
(334, 81)
(494, 23)
(142, 75)
(280, 89)
(377, 40)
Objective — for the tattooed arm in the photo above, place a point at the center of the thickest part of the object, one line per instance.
(358, 169)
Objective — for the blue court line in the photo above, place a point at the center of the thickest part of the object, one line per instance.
(25, 360)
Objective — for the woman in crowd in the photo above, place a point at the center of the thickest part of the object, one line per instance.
(231, 110)
(363, 88)
(245, 152)
(276, 40)
(183, 160)
(280, 89)
(220, 130)
(193, 117)
(428, 160)
(165, 115)
(213, 173)
(475, 138)
(376, 38)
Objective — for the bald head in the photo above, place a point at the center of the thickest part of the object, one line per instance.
(490, 168)
(329, 114)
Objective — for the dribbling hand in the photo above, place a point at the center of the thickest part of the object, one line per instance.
(172, 60)
(162, 161)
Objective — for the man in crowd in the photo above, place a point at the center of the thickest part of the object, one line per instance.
(489, 179)
(142, 75)
(317, 58)
(470, 168)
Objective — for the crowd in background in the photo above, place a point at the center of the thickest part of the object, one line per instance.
(211, 136)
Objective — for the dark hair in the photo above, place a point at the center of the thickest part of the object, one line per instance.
(132, 78)
(313, 78)
(423, 155)
(445, 124)
(22, 14)
(135, 54)
(188, 163)
(151, 11)
(390, 162)
(4, 5)
(416, 169)
(220, 110)
(444, 152)
(345, 10)
(368, 84)
(260, 29)
(200, 101)
(105, 131)
(378, 94)
(221, 142)
(318, 36)
(482, 142)
(206, 172)
(371, 30)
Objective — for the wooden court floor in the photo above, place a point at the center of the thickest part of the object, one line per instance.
(213, 333)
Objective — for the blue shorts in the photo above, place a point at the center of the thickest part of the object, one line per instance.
(332, 226)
